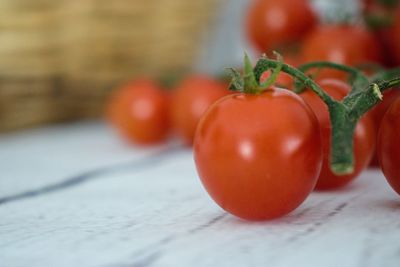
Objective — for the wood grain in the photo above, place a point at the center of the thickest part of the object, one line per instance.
(160, 215)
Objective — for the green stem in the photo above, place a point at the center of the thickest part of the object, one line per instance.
(359, 79)
(386, 75)
(265, 64)
(344, 115)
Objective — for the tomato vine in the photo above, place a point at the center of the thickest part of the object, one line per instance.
(344, 114)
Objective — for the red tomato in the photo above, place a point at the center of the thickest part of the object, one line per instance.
(283, 80)
(344, 44)
(139, 110)
(394, 45)
(258, 156)
(389, 145)
(364, 138)
(379, 111)
(388, 13)
(190, 100)
(272, 24)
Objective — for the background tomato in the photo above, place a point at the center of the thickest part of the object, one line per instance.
(140, 112)
(389, 145)
(395, 40)
(364, 137)
(190, 100)
(272, 24)
(383, 18)
(343, 44)
(259, 156)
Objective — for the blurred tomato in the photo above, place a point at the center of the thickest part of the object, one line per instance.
(394, 38)
(383, 18)
(140, 112)
(190, 100)
(272, 24)
(343, 44)
(364, 137)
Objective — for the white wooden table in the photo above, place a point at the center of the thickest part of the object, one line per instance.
(74, 195)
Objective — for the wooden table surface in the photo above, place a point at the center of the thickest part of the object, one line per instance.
(74, 195)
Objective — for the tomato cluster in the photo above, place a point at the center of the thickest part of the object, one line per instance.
(146, 113)
(253, 151)
(261, 151)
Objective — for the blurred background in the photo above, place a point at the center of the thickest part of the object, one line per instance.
(59, 60)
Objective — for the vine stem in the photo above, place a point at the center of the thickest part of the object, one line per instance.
(265, 64)
(344, 114)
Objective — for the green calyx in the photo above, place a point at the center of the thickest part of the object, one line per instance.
(249, 83)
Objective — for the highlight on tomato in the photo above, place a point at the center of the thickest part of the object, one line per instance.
(139, 110)
(388, 147)
(258, 152)
(275, 24)
(364, 136)
(190, 99)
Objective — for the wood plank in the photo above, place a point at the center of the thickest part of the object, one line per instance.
(161, 216)
(44, 157)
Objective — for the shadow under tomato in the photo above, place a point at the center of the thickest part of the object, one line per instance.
(389, 204)
(351, 187)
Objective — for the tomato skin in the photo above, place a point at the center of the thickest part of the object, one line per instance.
(343, 44)
(272, 24)
(364, 137)
(389, 145)
(192, 97)
(258, 156)
(386, 34)
(379, 111)
(393, 38)
(140, 112)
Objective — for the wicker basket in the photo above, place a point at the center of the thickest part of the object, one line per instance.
(59, 59)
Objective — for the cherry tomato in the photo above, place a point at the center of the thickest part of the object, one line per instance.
(140, 112)
(394, 38)
(190, 100)
(383, 18)
(258, 156)
(272, 24)
(389, 145)
(283, 80)
(344, 44)
(364, 138)
(379, 111)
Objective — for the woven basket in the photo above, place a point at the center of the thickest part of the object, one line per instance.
(59, 59)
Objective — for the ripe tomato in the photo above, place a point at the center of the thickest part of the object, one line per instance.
(389, 145)
(383, 18)
(283, 80)
(364, 137)
(343, 44)
(258, 156)
(394, 39)
(190, 100)
(140, 112)
(379, 111)
(272, 24)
